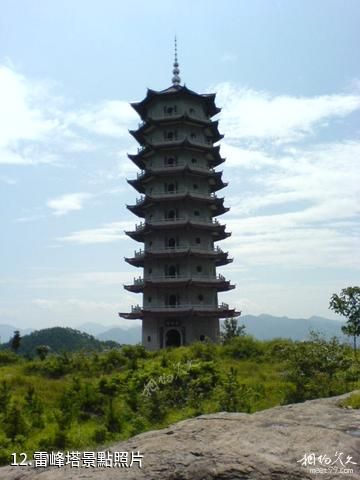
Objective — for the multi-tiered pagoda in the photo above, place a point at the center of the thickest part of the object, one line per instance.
(179, 230)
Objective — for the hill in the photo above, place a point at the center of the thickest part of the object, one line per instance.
(267, 327)
(60, 339)
(7, 331)
(129, 336)
(263, 327)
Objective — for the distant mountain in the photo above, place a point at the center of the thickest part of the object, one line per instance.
(122, 335)
(60, 339)
(265, 327)
(7, 332)
(92, 328)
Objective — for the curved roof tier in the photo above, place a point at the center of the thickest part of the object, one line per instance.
(215, 178)
(221, 258)
(216, 203)
(219, 283)
(181, 311)
(212, 153)
(207, 99)
(210, 128)
(216, 230)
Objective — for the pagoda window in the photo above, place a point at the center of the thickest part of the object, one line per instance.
(172, 270)
(192, 135)
(170, 135)
(192, 110)
(202, 338)
(194, 160)
(171, 187)
(195, 186)
(149, 299)
(199, 269)
(172, 214)
(196, 213)
(149, 338)
(172, 300)
(170, 110)
(171, 243)
(201, 297)
(198, 240)
(150, 270)
(170, 161)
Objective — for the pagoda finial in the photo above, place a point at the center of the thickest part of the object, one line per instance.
(176, 70)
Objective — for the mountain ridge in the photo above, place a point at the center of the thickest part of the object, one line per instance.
(263, 327)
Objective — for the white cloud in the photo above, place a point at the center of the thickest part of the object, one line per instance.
(300, 209)
(111, 118)
(44, 303)
(7, 180)
(29, 218)
(38, 127)
(250, 114)
(80, 280)
(110, 232)
(68, 203)
(20, 117)
(229, 57)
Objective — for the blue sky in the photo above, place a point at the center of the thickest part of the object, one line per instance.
(287, 76)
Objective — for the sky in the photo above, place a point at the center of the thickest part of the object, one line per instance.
(287, 77)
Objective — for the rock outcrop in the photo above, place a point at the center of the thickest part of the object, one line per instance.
(267, 445)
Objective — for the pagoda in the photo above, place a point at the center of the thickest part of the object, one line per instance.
(178, 206)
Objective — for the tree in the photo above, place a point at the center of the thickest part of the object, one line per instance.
(15, 341)
(347, 304)
(42, 351)
(109, 388)
(230, 329)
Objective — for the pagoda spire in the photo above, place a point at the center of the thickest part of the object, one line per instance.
(176, 70)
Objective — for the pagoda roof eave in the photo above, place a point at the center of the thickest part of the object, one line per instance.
(150, 172)
(195, 311)
(213, 151)
(137, 159)
(175, 90)
(140, 133)
(217, 202)
(137, 184)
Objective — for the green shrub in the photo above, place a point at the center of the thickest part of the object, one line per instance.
(7, 357)
(100, 435)
(353, 401)
(243, 347)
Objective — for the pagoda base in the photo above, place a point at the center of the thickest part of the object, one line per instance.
(175, 332)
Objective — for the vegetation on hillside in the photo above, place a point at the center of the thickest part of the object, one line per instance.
(80, 400)
(55, 340)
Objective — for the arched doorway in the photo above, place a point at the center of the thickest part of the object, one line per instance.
(173, 338)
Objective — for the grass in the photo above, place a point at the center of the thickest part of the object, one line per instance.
(352, 401)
